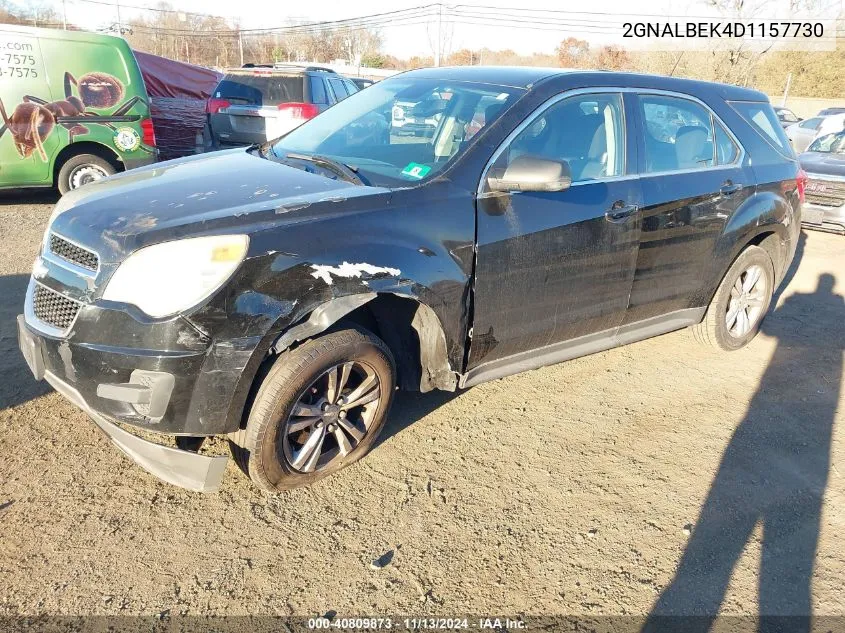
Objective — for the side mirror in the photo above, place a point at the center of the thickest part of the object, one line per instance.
(533, 173)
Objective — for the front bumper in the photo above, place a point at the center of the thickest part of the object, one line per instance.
(823, 218)
(179, 467)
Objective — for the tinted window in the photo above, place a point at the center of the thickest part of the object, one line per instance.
(259, 89)
(727, 152)
(586, 131)
(762, 118)
(351, 88)
(318, 91)
(338, 88)
(811, 124)
(678, 134)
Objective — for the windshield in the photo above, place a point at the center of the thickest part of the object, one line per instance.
(829, 144)
(400, 130)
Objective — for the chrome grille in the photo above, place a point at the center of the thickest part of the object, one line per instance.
(53, 308)
(826, 193)
(73, 253)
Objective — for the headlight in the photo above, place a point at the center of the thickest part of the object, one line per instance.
(170, 277)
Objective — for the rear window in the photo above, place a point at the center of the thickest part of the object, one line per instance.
(762, 117)
(260, 90)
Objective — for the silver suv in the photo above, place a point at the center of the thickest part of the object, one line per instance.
(258, 103)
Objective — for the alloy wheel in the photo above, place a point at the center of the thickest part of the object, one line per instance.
(747, 300)
(331, 417)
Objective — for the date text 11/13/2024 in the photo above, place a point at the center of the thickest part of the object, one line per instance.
(416, 624)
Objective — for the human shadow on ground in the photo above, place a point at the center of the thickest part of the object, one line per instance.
(773, 472)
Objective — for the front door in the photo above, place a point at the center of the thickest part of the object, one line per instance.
(556, 266)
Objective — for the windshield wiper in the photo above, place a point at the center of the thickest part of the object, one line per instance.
(347, 172)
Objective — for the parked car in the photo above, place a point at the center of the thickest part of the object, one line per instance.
(278, 295)
(361, 82)
(409, 118)
(73, 106)
(824, 162)
(786, 116)
(262, 102)
(802, 134)
(829, 111)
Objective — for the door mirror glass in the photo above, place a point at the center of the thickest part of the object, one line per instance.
(532, 173)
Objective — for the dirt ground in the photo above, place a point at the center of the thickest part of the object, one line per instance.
(659, 470)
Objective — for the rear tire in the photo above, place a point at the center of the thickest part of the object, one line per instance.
(734, 315)
(81, 169)
(308, 400)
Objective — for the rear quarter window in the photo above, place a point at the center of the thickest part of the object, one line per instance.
(318, 91)
(761, 116)
(260, 89)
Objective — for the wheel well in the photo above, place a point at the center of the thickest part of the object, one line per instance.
(769, 242)
(85, 147)
(414, 335)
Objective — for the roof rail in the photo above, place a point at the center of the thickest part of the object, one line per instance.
(302, 66)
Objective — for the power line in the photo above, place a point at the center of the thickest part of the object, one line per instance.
(210, 34)
(621, 13)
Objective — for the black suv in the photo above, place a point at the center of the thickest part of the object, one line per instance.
(279, 294)
(258, 103)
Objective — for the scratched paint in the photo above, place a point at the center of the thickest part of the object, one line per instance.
(350, 271)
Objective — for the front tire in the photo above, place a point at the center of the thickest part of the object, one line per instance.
(734, 315)
(82, 169)
(319, 409)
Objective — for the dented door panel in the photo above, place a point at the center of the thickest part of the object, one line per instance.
(551, 267)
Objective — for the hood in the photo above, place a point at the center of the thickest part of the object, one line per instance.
(824, 163)
(230, 191)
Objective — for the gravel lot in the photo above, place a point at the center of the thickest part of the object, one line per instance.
(660, 470)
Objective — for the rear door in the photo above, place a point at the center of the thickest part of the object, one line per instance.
(247, 109)
(693, 179)
(556, 266)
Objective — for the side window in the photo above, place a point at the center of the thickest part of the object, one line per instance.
(678, 134)
(587, 131)
(812, 124)
(318, 91)
(338, 88)
(727, 153)
(351, 88)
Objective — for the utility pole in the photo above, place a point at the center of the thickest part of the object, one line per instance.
(241, 46)
(64, 15)
(786, 90)
(119, 23)
(439, 42)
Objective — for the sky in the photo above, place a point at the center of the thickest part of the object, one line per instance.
(484, 23)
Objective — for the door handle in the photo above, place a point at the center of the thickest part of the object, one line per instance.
(620, 211)
(729, 188)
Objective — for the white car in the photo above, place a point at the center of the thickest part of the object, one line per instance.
(804, 132)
